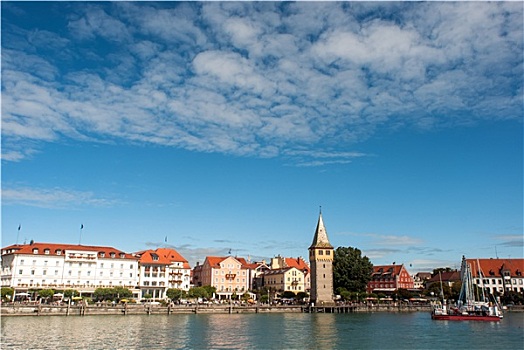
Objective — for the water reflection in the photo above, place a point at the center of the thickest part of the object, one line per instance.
(257, 331)
(324, 331)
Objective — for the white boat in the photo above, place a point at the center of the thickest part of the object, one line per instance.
(472, 304)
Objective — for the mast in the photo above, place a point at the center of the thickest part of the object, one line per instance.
(481, 278)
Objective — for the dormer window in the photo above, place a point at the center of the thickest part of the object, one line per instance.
(46, 251)
(122, 255)
(58, 252)
(112, 255)
(154, 256)
(35, 250)
(102, 254)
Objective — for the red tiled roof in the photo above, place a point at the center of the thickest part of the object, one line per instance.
(214, 261)
(446, 276)
(494, 267)
(53, 247)
(299, 263)
(395, 269)
(171, 254)
(164, 256)
(148, 257)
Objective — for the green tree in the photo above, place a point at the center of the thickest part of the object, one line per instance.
(121, 293)
(7, 293)
(351, 270)
(46, 294)
(210, 291)
(405, 294)
(198, 292)
(102, 294)
(246, 296)
(344, 294)
(288, 295)
(301, 296)
(69, 293)
(435, 291)
(175, 294)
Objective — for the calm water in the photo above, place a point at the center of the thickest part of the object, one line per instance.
(260, 331)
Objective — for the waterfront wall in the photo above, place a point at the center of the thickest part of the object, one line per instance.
(96, 310)
(85, 310)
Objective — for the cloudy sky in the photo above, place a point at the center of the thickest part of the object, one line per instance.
(218, 126)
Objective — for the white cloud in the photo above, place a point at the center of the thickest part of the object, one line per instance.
(51, 198)
(260, 79)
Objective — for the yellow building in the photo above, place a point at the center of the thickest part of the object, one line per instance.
(285, 279)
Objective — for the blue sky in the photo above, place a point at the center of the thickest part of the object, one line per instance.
(225, 125)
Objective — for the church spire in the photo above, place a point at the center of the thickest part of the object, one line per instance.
(321, 239)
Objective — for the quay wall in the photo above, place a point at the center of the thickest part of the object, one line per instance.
(85, 310)
(96, 310)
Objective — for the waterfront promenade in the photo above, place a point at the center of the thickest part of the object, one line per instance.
(147, 309)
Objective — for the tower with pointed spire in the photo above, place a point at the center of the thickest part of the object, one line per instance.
(321, 260)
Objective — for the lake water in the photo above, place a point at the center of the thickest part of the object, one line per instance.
(260, 331)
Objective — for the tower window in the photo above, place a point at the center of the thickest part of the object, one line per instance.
(320, 252)
(328, 252)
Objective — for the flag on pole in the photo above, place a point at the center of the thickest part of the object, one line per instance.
(165, 239)
(19, 227)
(82, 226)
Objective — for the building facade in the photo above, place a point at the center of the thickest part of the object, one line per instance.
(498, 276)
(66, 266)
(299, 263)
(229, 275)
(160, 270)
(256, 271)
(446, 278)
(285, 279)
(321, 254)
(389, 278)
(420, 279)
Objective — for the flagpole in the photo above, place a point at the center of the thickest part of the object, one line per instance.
(18, 234)
(80, 239)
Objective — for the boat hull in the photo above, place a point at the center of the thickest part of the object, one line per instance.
(466, 318)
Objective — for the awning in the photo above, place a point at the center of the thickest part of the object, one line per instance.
(22, 294)
(384, 290)
(76, 298)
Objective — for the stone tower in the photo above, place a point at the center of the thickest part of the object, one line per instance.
(321, 261)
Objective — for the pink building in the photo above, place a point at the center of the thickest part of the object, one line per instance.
(229, 275)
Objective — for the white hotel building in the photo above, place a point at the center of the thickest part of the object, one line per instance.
(67, 266)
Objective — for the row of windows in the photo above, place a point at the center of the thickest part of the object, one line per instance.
(238, 280)
(154, 283)
(78, 255)
(68, 283)
(229, 289)
(500, 289)
(229, 266)
(498, 281)
(321, 252)
(274, 280)
(69, 273)
(79, 264)
(222, 272)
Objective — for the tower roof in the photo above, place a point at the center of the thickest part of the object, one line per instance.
(321, 239)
